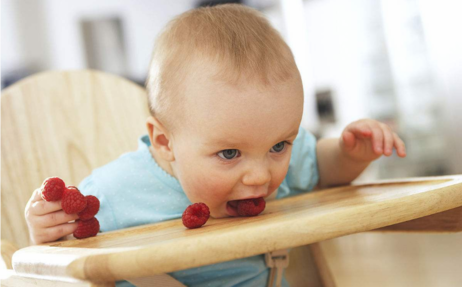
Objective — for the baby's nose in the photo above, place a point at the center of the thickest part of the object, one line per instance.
(257, 174)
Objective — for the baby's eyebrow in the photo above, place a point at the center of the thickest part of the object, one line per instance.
(234, 144)
(292, 134)
(224, 142)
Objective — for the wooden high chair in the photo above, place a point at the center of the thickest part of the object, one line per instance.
(68, 123)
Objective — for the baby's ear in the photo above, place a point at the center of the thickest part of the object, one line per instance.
(160, 138)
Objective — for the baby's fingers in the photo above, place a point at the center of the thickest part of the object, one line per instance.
(387, 140)
(360, 130)
(54, 233)
(42, 207)
(399, 145)
(377, 138)
(54, 218)
(36, 195)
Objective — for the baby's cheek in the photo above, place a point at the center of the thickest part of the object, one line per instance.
(281, 177)
(211, 192)
(278, 178)
(209, 188)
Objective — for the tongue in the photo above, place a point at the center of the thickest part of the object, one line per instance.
(234, 203)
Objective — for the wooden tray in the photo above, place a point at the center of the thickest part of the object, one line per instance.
(168, 246)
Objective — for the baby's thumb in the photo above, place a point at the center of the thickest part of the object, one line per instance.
(36, 195)
(348, 140)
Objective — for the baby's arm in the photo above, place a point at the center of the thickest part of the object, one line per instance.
(341, 160)
(46, 220)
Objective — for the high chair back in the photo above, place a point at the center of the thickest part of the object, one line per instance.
(63, 123)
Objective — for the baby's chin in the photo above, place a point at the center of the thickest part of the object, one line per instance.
(219, 215)
(224, 212)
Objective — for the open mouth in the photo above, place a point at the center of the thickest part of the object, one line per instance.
(246, 207)
(231, 207)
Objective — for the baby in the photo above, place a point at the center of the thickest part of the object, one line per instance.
(226, 103)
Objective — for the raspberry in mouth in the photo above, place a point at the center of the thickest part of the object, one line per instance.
(246, 207)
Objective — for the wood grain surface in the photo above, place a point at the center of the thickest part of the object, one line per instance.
(394, 259)
(446, 221)
(290, 222)
(62, 123)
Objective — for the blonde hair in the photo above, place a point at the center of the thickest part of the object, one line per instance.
(238, 40)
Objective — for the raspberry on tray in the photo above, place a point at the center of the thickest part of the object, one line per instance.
(196, 215)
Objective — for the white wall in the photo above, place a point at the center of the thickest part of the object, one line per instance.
(341, 37)
(47, 32)
(335, 34)
(142, 21)
(23, 35)
(443, 29)
(11, 56)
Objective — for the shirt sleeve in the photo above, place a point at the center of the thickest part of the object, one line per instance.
(303, 174)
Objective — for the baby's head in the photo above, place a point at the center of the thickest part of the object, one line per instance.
(226, 100)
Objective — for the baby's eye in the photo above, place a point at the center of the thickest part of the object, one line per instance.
(228, 153)
(278, 147)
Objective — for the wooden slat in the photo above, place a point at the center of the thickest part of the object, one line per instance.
(302, 270)
(446, 221)
(322, 266)
(290, 222)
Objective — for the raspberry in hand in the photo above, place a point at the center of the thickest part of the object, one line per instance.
(92, 208)
(52, 189)
(196, 215)
(86, 228)
(73, 201)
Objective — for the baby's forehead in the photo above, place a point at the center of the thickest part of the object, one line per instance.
(222, 117)
(209, 75)
(225, 109)
(219, 102)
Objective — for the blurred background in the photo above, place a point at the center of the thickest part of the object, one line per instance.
(397, 61)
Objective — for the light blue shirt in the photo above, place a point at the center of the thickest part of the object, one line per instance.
(134, 190)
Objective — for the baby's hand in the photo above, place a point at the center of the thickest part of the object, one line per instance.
(367, 140)
(46, 220)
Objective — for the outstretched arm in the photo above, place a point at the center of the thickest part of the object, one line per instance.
(341, 160)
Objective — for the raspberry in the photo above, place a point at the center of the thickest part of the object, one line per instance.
(196, 215)
(86, 228)
(92, 208)
(52, 189)
(251, 207)
(73, 201)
